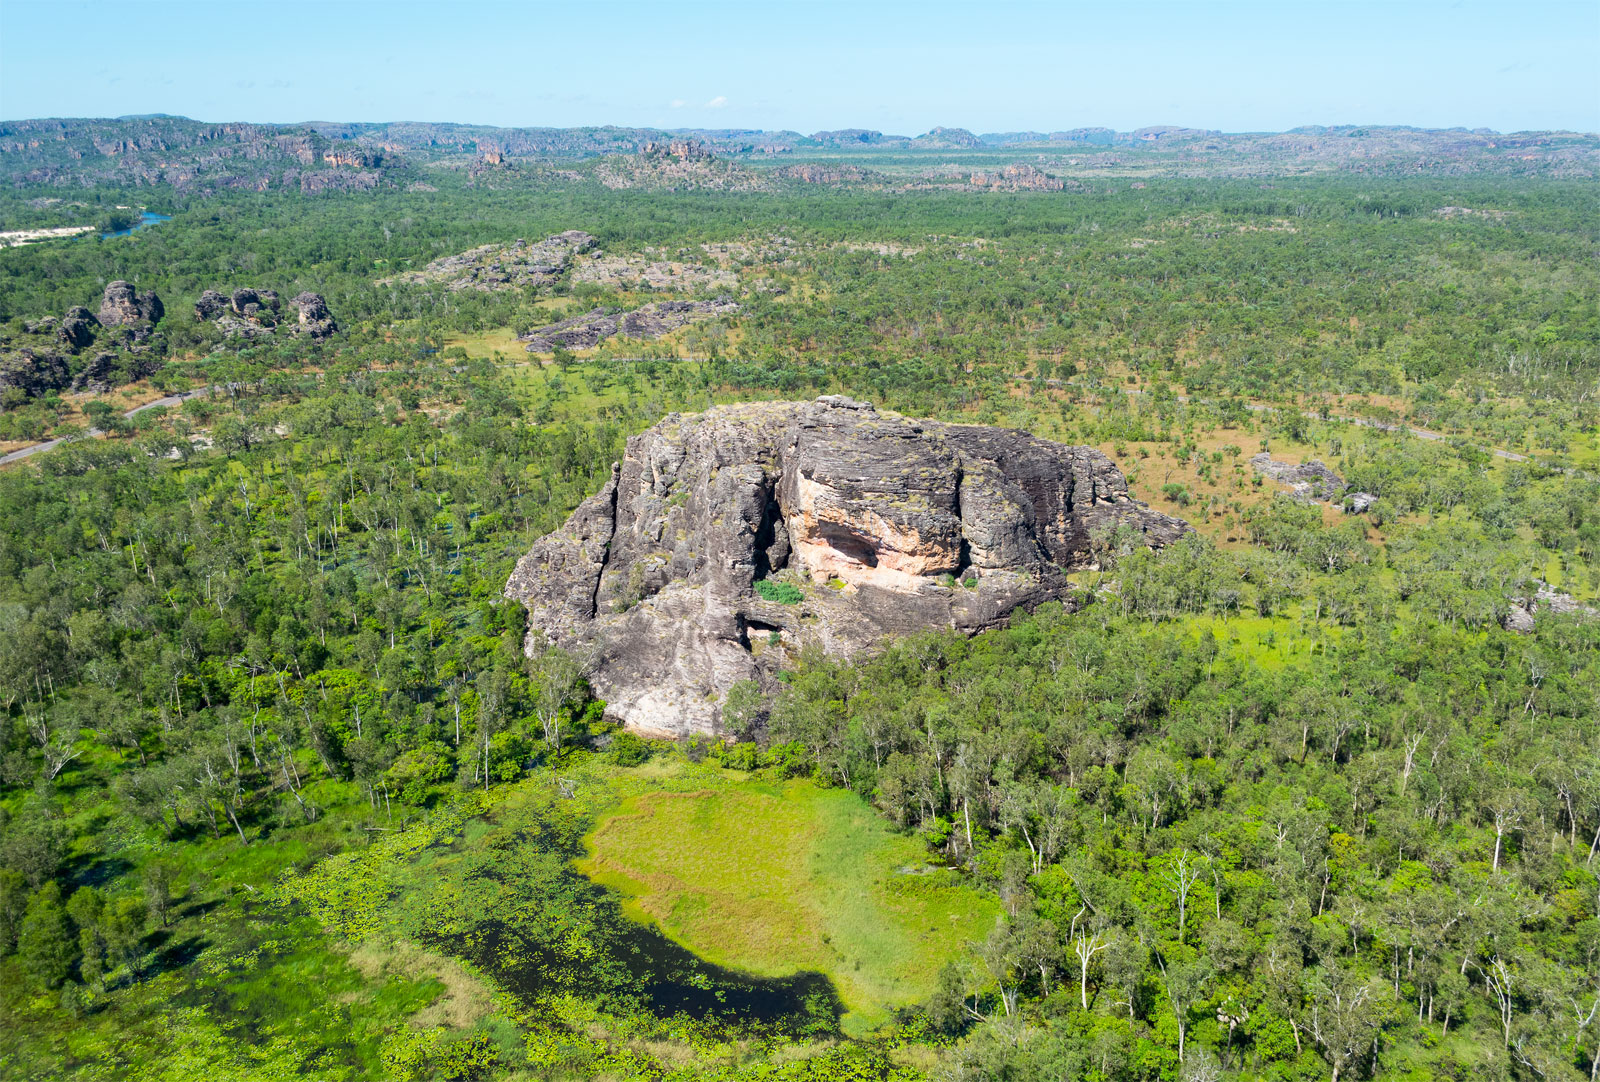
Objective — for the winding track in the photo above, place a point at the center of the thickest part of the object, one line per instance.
(33, 449)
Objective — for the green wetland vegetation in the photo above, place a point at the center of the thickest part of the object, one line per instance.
(281, 796)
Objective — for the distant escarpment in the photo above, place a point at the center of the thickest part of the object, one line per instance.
(730, 539)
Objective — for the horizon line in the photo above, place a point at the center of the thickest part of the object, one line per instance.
(741, 129)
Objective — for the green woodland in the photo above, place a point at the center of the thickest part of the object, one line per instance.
(281, 795)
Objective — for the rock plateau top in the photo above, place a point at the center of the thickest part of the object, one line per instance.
(726, 540)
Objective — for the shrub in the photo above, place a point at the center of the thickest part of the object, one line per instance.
(628, 750)
(782, 592)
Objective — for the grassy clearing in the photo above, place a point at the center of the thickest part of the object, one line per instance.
(497, 345)
(778, 878)
(1266, 642)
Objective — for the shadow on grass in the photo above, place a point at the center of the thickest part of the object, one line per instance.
(168, 956)
(96, 870)
(546, 928)
(641, 965)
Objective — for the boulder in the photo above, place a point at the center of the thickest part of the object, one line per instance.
(315, 319)
(120, 305)
(211, 305)
(77, 328)
(98, 376)
(260, 305)
(882, 525)
(34, 372)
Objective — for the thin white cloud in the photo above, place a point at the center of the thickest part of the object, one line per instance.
(717, 102)
(678, 103)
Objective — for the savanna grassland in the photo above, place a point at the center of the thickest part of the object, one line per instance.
(281, 794)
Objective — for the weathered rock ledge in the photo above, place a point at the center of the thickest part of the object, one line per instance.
(886, 525)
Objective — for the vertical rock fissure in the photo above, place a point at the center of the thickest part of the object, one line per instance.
(964, 552)
(605, 555)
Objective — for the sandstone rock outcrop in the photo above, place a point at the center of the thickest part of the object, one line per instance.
(34, 371)
(77, 328)
(683, 150)
(1018, 178)
(882, 524)
(251, 313)
(1309, 481)
(650, 321)
(210, 305)
(1520, 617)
(948, 139)
(504, 266)
(121, 305)
(257, 304)
(315, 320)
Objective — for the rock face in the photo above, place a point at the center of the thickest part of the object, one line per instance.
(882, 525)
(651, 321)
(1311, 481)
(315, 320)
(121, 305)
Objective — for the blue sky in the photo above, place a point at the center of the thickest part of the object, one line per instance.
(897, 67)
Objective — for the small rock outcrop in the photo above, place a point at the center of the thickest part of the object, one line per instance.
(1018, 178)
(77, 328)
(683, 150)
(503, 266)
(1309, 481)
(251, 313)
(1546, 598)
(257, 304)
(871, 524)
(211, 305)
(316, 321)
(650, 321)
(34, 372)
(82, 351)
(121, 306)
